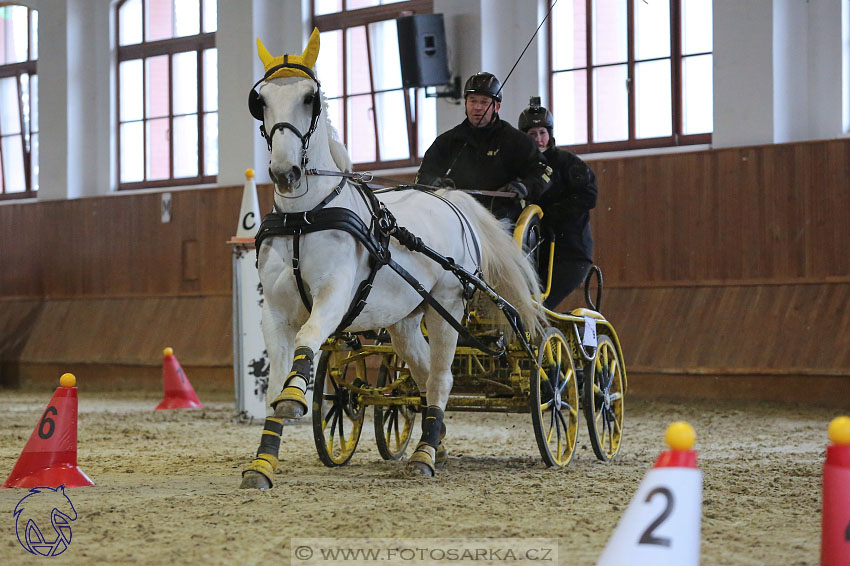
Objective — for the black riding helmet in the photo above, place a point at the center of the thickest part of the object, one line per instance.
(535, 116)
(483, 83)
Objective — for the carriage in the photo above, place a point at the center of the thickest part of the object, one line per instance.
(578, 355)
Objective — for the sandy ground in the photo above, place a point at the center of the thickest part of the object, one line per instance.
(167, 484)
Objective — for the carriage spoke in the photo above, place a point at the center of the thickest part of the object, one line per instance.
(615, 397)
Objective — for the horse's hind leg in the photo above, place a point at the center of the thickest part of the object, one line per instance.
(443, 343)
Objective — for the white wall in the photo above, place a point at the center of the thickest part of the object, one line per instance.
(780, 69)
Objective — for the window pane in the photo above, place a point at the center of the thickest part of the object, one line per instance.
(361, 129)
(156, 86)
(569, 107)
(383, 37)
(157, 148)
(652, 29)
(392, 125)
(210, 16)
(211, 144)
(130, 90)
(187, 17)
(10, 110)
(335, 117)
(610, 104)
(210, 80)
(697, 93)
(329, 63)
(654, 110)
(357, 4)
(15, 34)
(426, 127)
(358, 62)
(697, 34)
(569, 43)
(610, 32)
(327, 6)
(132, 152)
(130, 23)
(185, 82)
(25, 101)
(159, 23)
(34, 161)
(13, 164)
(34, 103)
(186, 146)
(34, 36)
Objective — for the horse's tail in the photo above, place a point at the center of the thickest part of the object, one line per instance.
(504, 265)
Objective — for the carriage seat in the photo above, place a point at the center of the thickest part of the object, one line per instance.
(587, 312)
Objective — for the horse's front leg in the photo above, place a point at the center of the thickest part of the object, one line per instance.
(330, 304)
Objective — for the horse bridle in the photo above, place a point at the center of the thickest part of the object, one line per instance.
(256, 104)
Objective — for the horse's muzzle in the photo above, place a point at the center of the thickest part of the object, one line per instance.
(286, 180)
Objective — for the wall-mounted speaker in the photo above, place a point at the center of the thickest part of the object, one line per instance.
(422, 50)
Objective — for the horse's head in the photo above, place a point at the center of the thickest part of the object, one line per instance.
(289, 104)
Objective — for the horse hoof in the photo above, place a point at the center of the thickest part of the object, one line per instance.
(254, 480)
(442, 457)
(289, 410)
(418, 470)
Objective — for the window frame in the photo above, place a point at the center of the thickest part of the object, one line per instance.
(677, 138)
(342, 21)
(142, 51)
(17, 70)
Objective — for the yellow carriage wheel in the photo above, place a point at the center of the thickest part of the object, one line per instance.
(528, 234)
(602, 398)
(337, 413)
(554, 400)
(394, 424)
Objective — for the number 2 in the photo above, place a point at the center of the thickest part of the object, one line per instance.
(647, 537)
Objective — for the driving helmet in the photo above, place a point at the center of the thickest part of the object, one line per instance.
(535, 116)
(483, 83)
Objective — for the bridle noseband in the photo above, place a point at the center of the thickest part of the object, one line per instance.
(256, 104)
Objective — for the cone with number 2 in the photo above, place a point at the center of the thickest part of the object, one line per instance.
(661, 525)
(49, 458)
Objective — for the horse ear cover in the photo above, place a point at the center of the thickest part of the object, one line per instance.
(307, 58)
(255, 104)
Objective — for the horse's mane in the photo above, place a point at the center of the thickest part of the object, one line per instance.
(338, 150)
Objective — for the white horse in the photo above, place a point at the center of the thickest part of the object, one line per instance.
(333, 264)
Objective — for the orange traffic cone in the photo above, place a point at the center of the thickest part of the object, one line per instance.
(49, 458)
(835, 534)
(178, 392)
(662, 523)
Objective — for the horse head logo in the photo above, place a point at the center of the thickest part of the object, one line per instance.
(40, 506)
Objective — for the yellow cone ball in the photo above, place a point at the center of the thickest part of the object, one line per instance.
(839, 430)
(680, 436)
(67, 380)
(168, 352)
(249, 173)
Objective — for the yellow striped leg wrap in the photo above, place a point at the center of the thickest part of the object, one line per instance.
(267, 454)
(424, 453)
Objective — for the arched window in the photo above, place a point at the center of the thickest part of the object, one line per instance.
(167, 93)
(630, 74)
(18, 101)
(382, 124)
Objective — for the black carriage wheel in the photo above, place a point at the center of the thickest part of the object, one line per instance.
(337, 414)
(554, 400)
(394, 424)
(602, 398)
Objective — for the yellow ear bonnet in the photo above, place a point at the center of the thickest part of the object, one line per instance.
(307, 59)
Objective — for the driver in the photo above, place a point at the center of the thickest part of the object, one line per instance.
(486, 153)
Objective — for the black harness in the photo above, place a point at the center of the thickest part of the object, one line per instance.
(374, 238)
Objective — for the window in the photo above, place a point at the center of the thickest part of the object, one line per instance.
(167, 93)
(382, 124)
(631, 74)
(18, 102)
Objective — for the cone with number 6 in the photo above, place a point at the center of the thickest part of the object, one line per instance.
(49, 458)
(661, 525)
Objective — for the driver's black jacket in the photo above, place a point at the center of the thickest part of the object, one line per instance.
(487, 159)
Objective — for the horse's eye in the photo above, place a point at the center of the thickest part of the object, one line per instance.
(308, 98)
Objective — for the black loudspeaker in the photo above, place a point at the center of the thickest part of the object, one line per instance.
(422, 50)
